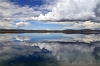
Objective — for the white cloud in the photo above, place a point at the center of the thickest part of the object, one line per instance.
(51, 10)
(71, 10)
(20, 24)
(81, 25)
(6, 24)
(87, 25)
(9, 9)
(10, 12)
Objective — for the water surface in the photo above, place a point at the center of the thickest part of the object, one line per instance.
(49, 49)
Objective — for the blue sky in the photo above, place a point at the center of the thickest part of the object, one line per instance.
(37, 25)
(40, 25)
(30, 3)
(37, 14)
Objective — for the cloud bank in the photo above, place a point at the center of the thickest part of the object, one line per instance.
(87, 25)
(10, 12)
(73, 10)
(52, 10)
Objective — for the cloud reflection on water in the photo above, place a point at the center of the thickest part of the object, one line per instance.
(88, 38)
(61, 51)
(66, 53)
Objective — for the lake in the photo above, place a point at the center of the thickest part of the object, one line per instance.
(49, 49)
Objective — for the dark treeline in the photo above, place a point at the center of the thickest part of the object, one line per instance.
(84, 31)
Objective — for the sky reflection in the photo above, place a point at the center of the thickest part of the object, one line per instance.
(50, 37)
(23, 50)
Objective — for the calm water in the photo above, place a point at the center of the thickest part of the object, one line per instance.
(49, 49)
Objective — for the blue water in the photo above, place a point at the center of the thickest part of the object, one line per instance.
(49, 49)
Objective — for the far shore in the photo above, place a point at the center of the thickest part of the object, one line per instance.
(84, 31)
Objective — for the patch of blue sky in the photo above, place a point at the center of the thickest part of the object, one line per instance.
(30, 3)
(40, 25)
(43, 26)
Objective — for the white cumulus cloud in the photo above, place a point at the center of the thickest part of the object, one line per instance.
(20, 24)
(53, 10)
(72, 10)
(10, 12)
(87, 25)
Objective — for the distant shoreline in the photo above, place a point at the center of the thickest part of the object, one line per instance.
(84, 31)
